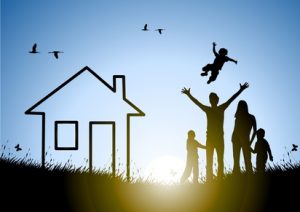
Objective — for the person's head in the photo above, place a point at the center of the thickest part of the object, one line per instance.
(213, 99)
(191, 134)
(260, 133)
(242, 108)
(223, 52)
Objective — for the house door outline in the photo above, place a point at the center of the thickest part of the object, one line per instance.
(113, 125)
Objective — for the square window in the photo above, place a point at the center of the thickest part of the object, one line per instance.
(66, 135)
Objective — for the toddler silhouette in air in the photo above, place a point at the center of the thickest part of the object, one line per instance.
(192, 158)
(262, 149)
(219, 61)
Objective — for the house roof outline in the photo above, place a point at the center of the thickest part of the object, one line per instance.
(113, 88)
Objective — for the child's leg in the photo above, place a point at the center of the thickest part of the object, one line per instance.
(195, 171)
(260, 166)
(206, 69)
(213, 76)
(187, 171)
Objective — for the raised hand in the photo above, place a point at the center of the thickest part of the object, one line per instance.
(186, 91)
(244, 86)
(214, 44)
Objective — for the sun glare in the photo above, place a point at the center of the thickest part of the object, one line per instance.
(165, 170)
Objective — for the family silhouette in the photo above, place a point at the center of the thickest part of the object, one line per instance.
(244, 132)
(214, 133)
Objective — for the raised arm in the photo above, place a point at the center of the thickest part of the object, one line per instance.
(242, 88)
(254, 130)
(214, 49)
(188, 93)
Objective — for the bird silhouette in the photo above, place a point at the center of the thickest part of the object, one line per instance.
(55, 53)
(159, 30)
(18, 148)
(33, 50)
(295, 147)
(145, 27)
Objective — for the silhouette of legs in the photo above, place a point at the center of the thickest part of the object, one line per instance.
(220, 156)
(206, 69)
(247, 158)
(191, 164)
(195, 171)
(213, 76)
(260, 165)
(186, 173)
(236, 157)
(209, 161)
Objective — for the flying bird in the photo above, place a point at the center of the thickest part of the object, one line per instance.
(33, 50)
(18, 148)
(295, 147)
(55, 53)
(159, 30)
(145, 27)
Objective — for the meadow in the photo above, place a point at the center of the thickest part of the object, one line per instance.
(25, 186)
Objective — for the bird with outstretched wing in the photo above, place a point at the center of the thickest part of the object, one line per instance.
(55, 53)
(159, 30)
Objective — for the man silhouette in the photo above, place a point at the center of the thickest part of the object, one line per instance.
(214, 133)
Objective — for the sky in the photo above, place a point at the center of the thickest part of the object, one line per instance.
(106, 36)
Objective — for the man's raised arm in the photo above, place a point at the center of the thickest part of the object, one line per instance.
(242, 87)
(188, 93)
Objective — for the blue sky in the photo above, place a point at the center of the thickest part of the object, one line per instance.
(106, 36)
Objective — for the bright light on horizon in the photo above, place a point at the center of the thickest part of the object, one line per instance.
(165, 169)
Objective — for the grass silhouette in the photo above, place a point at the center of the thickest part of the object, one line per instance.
(27, 187)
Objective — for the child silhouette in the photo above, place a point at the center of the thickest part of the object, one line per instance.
(262, 149)
(192, 157)
(219, 61)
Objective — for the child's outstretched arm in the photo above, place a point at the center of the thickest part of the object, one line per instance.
(214, 49)
(200, 145)
(253, 150)
(270, 153)
(254, 130)
(232, 60)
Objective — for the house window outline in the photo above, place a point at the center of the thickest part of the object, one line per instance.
(56, 146)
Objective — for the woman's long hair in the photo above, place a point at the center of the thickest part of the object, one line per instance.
(242, 109)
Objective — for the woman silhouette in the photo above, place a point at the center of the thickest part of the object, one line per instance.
(244, 123)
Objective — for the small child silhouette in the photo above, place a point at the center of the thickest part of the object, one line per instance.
(262, 149)
(219, 61)
(192, 157)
